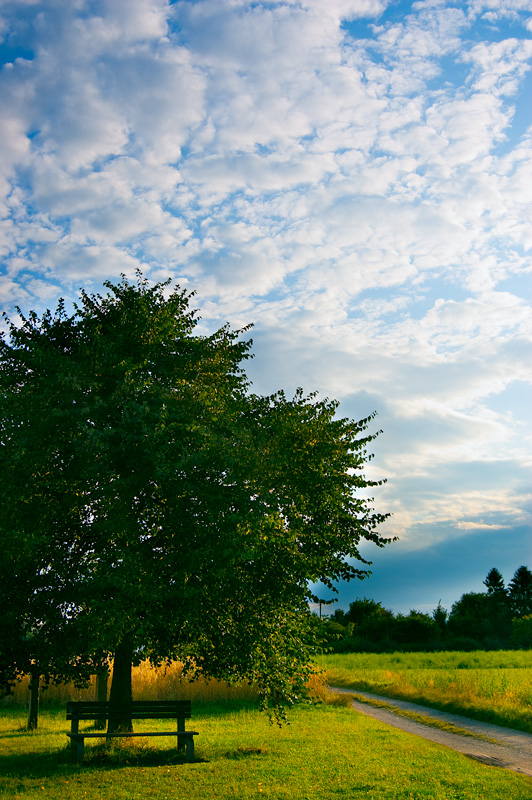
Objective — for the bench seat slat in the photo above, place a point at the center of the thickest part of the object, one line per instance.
(96, 703)
(86, 707)
(139, 709)
(133, 715)
(105, 704)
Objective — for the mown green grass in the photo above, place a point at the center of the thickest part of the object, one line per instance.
(326, 752)
(492, 686)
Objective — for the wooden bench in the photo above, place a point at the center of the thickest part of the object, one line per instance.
(180, 710)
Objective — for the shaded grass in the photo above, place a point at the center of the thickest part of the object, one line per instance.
(493, 687)
(327, 752)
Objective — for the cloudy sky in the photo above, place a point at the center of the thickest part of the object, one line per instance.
(352, 176)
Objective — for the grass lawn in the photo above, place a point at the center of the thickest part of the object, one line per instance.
(326, 752)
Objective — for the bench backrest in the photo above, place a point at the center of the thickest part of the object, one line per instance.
(138, 709)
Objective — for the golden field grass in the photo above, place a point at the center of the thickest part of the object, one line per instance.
(149, 683)
(494, 686)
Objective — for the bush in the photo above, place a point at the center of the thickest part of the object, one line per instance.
(522, 632)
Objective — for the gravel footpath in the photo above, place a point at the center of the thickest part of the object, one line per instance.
(513, 749)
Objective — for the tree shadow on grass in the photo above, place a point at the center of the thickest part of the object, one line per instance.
(105, 756)
(113, 754)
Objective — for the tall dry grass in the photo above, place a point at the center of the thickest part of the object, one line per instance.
(163, 683)
(168, 683)
(149, 683)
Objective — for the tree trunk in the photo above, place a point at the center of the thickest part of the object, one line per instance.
(33, 711)
(102, 678)
(121, 693)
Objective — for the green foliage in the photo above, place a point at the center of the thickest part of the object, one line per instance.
(484, 619)
(416, 631)
(520, 592)
(155, 508)
(360, 611)
(522, 632)
(494, 582)
(439, 615)
(367, 626)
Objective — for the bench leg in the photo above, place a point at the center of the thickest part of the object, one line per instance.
(189, 753)
(78, 747)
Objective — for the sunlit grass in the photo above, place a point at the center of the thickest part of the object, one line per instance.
(327, 752)
(492, 686)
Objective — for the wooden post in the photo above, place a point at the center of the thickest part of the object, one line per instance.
(189, 753)
(33, 710)
(74, 743)
(181, 740)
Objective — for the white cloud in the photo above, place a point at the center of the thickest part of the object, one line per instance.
(501, 65)
(357, 184)
(473, 526)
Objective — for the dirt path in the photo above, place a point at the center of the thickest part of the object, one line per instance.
(513, 749)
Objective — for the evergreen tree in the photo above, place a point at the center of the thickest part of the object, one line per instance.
(439, 615)
(494, 582)
(520, 592)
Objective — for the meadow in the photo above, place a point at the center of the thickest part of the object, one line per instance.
(494, 686)
(327, 751)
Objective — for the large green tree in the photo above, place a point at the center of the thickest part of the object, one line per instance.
(153, 506)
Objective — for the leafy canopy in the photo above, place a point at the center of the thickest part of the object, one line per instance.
(151, 498)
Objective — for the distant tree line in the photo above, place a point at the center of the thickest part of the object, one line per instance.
(499, 618)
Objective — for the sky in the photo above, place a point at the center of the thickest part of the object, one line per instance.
(354, 177)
